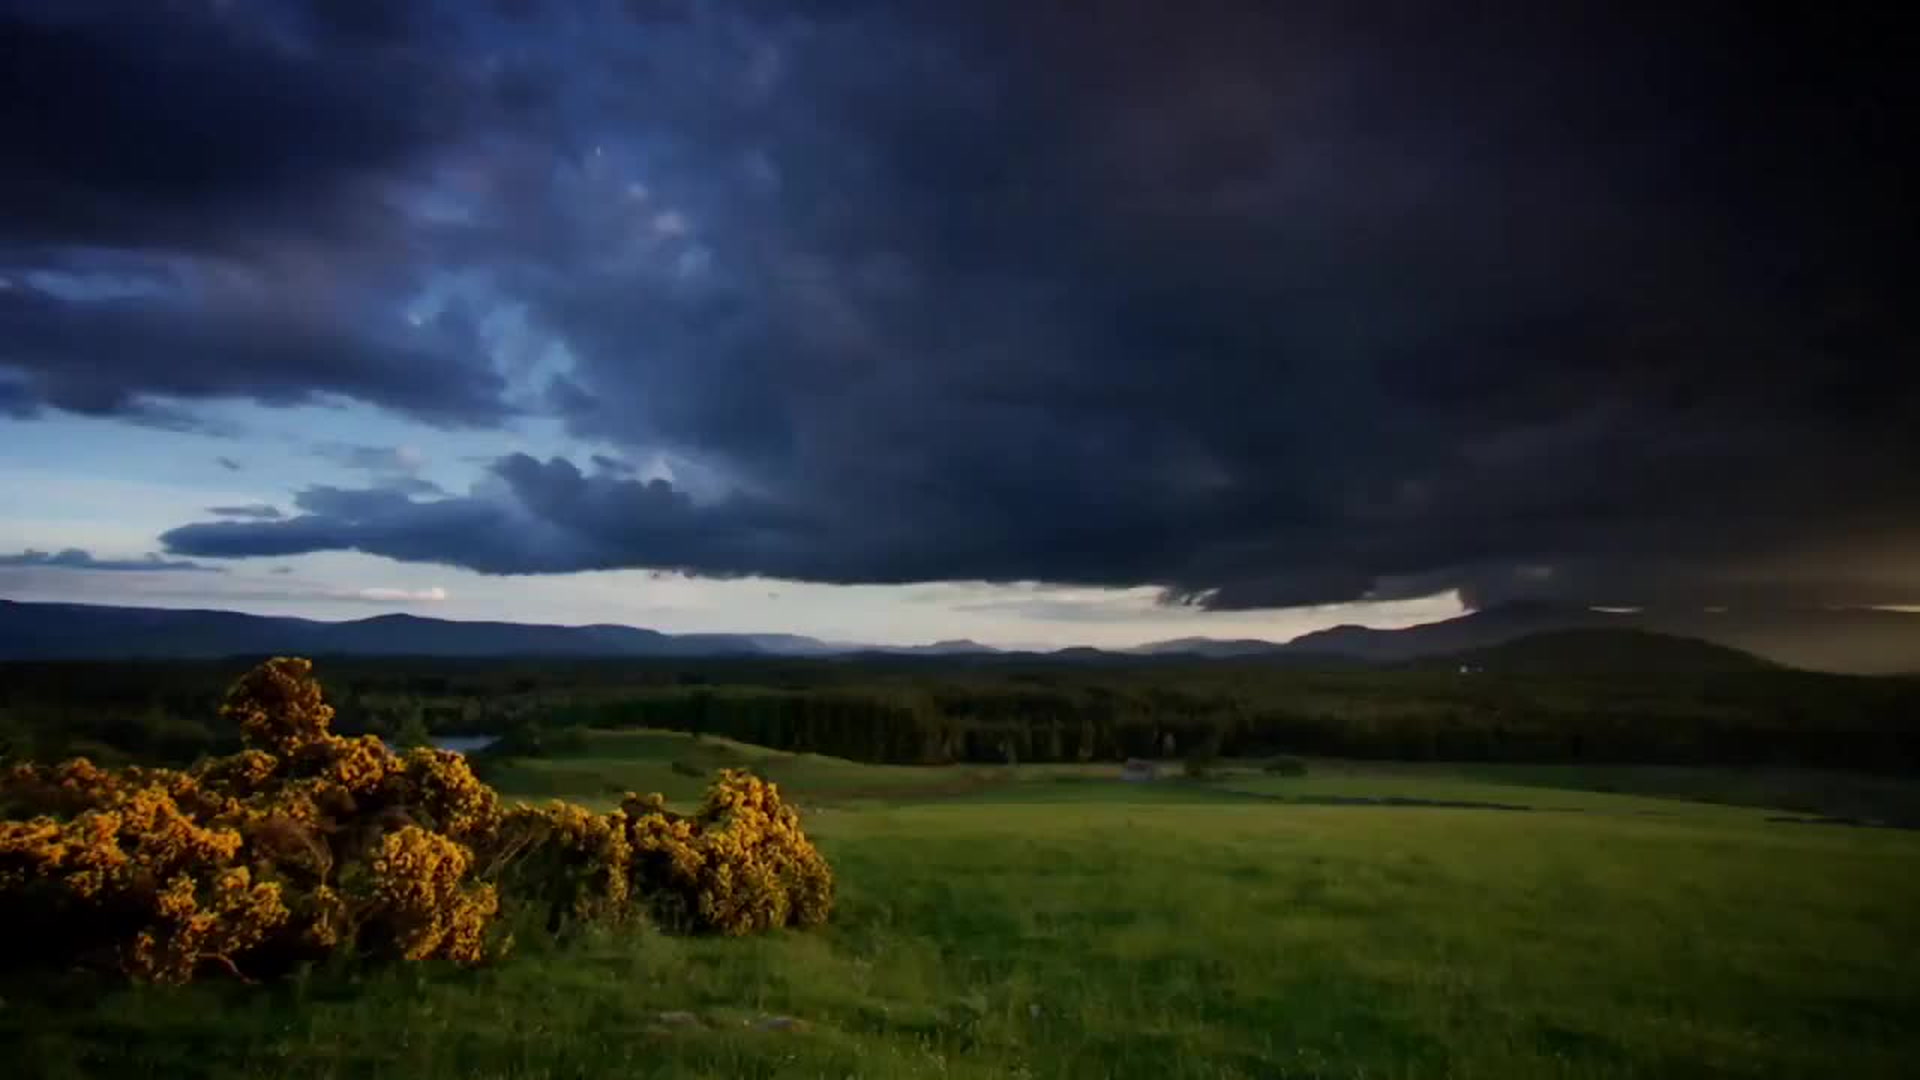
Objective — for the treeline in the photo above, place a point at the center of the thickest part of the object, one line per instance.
(1400, 717)
(930, 711)
(165, 711)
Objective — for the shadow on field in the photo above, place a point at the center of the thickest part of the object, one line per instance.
(1402, 801)
(1849, 822)
(1104, 789)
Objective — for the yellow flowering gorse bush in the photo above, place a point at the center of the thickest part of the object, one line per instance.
(308, 842)
(737, 866)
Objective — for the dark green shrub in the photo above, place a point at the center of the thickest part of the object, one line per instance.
(566, 742)
(1202, 757)
(410, 732)
(521, 740)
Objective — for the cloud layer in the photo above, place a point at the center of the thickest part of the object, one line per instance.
(80, 559)
(254, 511)
(1264, 305)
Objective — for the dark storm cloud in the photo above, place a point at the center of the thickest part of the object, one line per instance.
(254, 511)
(130, 356)
(396, 469)
(351, 503)
(78, 559)
(185, 124)
(208, 201)
(531, 517)
(1264, 304)
(375, 459)
(16, 398)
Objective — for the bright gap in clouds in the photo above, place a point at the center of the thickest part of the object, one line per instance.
(351, 586)
(72, 502)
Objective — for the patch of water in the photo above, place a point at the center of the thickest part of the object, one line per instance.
(459, 744)
(464, 744)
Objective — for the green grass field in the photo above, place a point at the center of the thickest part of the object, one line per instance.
(1056, 922)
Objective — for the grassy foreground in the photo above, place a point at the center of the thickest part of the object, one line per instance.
(1040, 923)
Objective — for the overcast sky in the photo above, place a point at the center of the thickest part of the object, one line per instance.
(913, 320)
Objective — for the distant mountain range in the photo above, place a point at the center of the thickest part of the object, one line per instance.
(1601, 651)
(53, 631)
(1216, 647)
(1515, 638)
(1857, 640)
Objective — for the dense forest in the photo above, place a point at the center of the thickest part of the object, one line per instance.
(935, 710)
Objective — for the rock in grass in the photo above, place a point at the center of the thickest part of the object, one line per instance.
(678, 1019)
(779, 1023)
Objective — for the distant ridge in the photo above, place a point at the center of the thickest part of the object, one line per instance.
(1852, 640)
(1474, 630)
(1566, 639)
(1603, 651)
(1200, 646)
(34, 631)
(952, 647)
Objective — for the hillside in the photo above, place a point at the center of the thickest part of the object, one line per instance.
(1602, 651)
(1056, 923)
(1854, 640)
(1474, 630)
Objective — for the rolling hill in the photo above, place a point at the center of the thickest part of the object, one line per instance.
(1602, 651)
(1860, 641)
